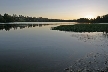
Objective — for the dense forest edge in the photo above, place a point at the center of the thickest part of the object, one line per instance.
(20, 18)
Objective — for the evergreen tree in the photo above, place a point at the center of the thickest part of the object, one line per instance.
(8, 18)
(1, 18)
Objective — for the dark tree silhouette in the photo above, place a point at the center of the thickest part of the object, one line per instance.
(1, 18)
(8, 18)
(21, 18)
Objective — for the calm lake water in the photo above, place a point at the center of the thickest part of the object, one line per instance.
(34, 47)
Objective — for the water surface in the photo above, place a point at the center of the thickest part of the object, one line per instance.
(31, 47)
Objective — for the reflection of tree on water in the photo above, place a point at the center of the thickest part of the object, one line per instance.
(100, 39)
(8, 27)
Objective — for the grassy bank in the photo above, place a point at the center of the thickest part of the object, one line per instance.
(83, 28)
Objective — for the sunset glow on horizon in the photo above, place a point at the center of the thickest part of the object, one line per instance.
(56, 9)
(89, 16)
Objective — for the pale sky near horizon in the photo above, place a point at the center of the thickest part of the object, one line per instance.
(59, 9)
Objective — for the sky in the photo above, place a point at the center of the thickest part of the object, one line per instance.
(55, 9)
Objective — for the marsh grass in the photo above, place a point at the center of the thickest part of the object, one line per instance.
(83, 28)
(92, 62)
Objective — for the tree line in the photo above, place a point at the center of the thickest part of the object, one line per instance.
(14, 18)
(98, 19)
(20, 18)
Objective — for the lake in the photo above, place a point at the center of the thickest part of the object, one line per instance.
(34, 47)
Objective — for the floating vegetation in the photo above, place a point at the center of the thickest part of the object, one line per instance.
(98, 39)
(93, 62)
(83, 28)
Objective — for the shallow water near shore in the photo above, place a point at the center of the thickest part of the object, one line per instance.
(34, 47)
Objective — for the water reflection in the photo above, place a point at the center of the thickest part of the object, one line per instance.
(8, 27)
(44, 50)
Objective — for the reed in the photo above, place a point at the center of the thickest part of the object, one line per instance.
(83, 28)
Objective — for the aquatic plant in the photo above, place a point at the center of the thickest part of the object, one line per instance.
(83, 28)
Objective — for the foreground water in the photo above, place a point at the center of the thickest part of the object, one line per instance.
(34, 47)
